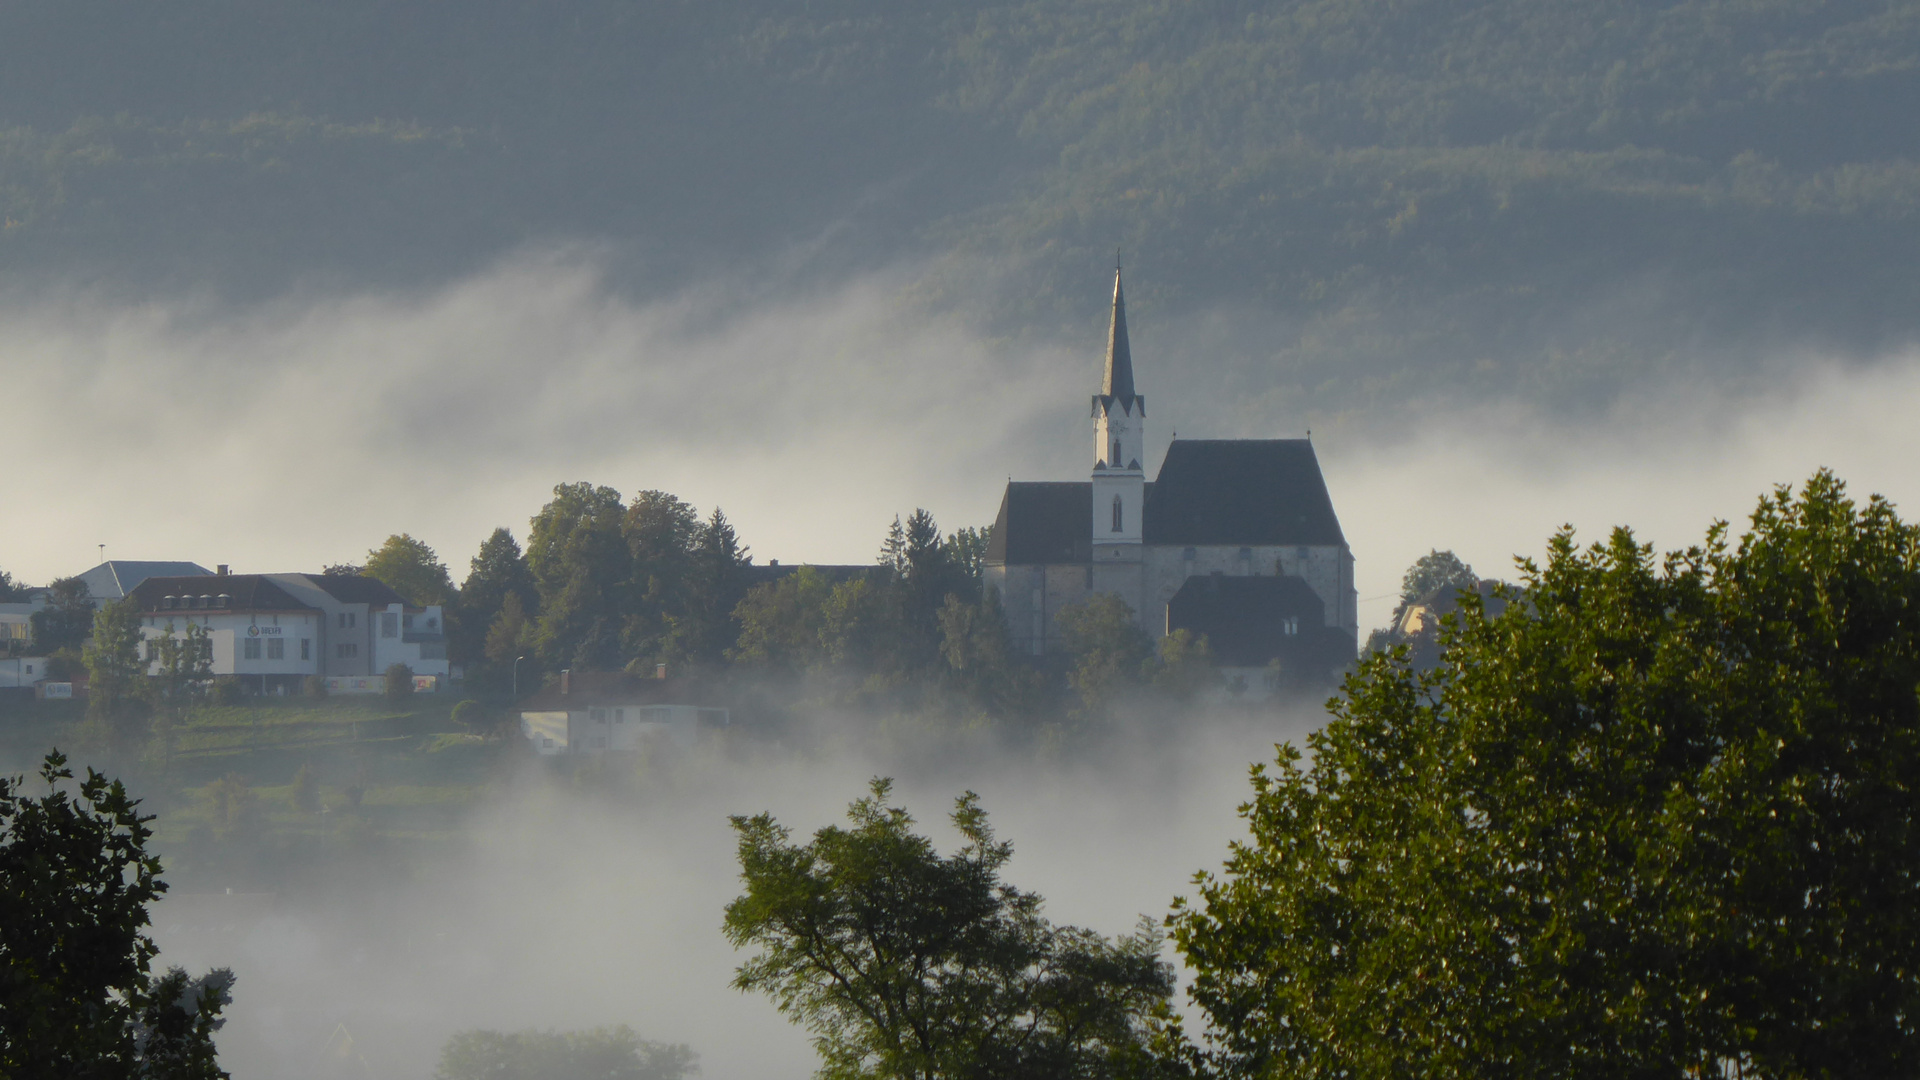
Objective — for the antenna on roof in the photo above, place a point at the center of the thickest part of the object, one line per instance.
(1116, 260)
(103, 553)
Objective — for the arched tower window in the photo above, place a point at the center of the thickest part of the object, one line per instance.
(1115, 459)
(1118, 518)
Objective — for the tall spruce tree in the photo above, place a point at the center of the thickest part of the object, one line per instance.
(497, 569)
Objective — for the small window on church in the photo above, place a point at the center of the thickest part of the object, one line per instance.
(1118, 518)
(1116, 453)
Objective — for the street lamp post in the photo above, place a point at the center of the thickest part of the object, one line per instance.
(516, 678)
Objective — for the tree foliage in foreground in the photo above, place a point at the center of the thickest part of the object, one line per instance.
(606, 1053)
(1656, 820)
(904, 963)
(77, 998)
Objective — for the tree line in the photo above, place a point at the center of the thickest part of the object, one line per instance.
(608, 584)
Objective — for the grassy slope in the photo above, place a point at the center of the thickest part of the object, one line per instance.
(418, 771)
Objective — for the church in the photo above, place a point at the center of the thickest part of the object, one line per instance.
(1234, 539)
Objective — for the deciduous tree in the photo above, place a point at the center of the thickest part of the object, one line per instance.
(1653, 821)
(77, 997)
(1109, 651)
(909, 965)
(582, 566)
(412, 569)
(66, 620)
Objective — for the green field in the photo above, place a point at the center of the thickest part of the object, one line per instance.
(391, 780)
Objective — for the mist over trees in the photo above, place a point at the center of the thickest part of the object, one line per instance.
(1461, 196)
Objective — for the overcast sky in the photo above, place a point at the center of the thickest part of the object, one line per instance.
(287, 435)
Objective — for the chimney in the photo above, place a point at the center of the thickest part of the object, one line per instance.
(659, 671)
(223, 569)
(566, 681)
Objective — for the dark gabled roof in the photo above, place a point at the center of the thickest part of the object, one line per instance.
(1043, 523)
(1245, 620)
(1240, 491)
(356, 589)
(591, 689)
(248, 592)
(115, 578)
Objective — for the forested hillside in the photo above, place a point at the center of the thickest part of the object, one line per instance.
(1428, 190)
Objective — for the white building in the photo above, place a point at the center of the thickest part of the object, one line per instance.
(1235, 539)
(274, 630)
(590, 712)
(16, 625)
(19, 671)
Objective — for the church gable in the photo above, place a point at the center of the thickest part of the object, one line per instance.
(1242, 492)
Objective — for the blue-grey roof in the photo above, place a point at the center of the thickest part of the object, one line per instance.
(115, 578)
(1246, 621)
(1241, 491)
(1043, 523)
(1210, 493)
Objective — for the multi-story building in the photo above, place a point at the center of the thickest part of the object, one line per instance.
(274, 630)
(1235, 539)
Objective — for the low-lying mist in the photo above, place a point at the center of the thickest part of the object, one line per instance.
(575, 902)
(284, 435)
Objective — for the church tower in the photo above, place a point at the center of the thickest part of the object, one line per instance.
(1119, 444)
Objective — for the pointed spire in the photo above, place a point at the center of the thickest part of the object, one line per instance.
(1119, 376)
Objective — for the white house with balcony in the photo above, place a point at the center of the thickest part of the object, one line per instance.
(274, 630)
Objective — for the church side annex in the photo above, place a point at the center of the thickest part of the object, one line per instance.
(1235, 539)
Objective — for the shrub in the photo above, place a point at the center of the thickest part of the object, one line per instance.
(228, 690)
(399, 681)
(472, 715)
(306, 791)
(315, 687)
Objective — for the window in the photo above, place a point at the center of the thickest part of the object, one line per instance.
(306, 648)
(1118, 518)
(346, 649)
(223, 600)
(153, 651)
(406, 622)
(250, 649)
(276, 648)
(389, 624)
(433, 624)
(1115, 459)
(619, 716)
(348, 619)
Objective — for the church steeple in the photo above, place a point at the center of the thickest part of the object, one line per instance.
(1119, 444)
(1119, 380)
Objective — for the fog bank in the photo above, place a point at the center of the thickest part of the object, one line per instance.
(570, 906)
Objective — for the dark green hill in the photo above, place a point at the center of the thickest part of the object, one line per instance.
(1546, 189)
